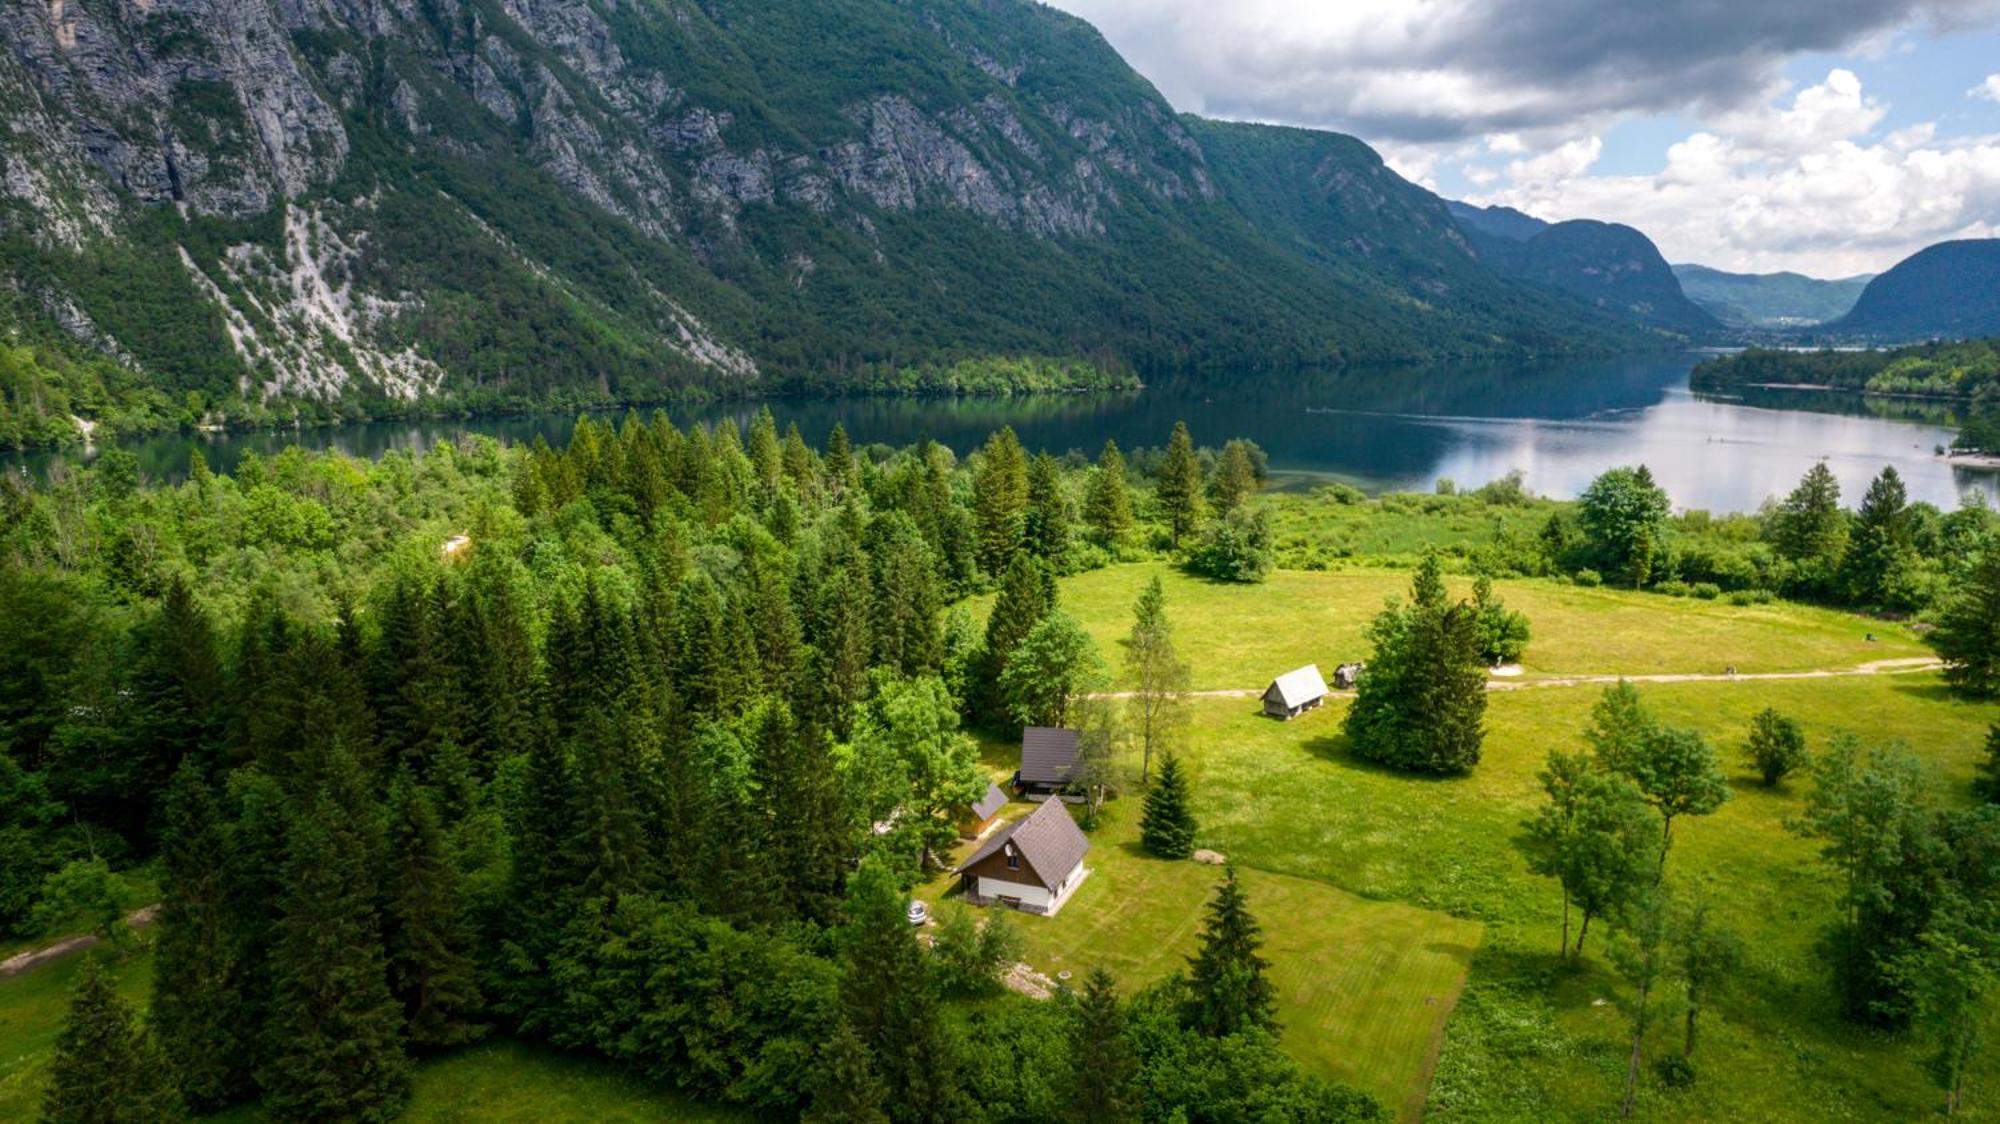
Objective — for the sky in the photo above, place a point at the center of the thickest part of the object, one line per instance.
(1829, 137)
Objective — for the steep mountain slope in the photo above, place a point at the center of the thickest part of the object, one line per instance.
(1769, 300)
(1610, 266)
(1950, 290)
(270, 206)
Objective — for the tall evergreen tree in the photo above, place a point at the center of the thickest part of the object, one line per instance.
(1177, 484)
(1102, 1067)
(198, 1011)
(1422, 705)
(892, 1002)
(1986, 784)
(336, 1032)
(1000, 499)
(107, 1069)
(1227, 988)
(176, 689)
(805, 839)
(1024, 599)
(845, 1087)
(1810, 529)
(1968, 631)
(1167, 826)
(1881, 541)
(1235, 476)
(1045, 530)
(1107, 505)
(429, 942)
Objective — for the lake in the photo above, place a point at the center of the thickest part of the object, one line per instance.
(1381, 429)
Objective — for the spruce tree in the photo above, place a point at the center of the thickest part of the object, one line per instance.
(336, 1033)
(891, 1000)
(1235, 476)
(107, 1069)
(1968, 631)
(1227, 988)
(1000, 499)
(1167, 827)
(1422, 704)
(846, 1089)
(1986, 785)
(197, 1012)
(429, 942)
(805, 843)
(1046, 528)
(1177, 484)
(1025, 598)
(1881, 539)
(1107, 505)
(1102, 1067)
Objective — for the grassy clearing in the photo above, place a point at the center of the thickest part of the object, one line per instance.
(1239, 636)
(1363, 987)
(1530, 1040)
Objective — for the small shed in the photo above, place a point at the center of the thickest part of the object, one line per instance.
(1347, 675)
(1033, 864)
(976, 817)
(1295, 692)
(1048, 759)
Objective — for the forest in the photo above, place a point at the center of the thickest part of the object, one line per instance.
(640, 749)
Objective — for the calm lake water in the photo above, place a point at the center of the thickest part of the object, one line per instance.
(1401, 428)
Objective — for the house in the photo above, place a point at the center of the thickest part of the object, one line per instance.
(1295, 692)
(1033, 864)
(1048, 758)
(976, 817)
(1347, 675)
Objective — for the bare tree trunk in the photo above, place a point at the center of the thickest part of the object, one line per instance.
(1632, 1063)
(1564, 947)
(1582, 933)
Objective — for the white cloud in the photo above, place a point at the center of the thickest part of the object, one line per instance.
(1800, 186)
(1989, 89)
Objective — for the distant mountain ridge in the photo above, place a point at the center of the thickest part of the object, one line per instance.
(1611, 266)
(247, 208)
(1769, 300)
(1950, 290)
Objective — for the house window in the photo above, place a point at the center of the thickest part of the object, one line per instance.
(1013, 859)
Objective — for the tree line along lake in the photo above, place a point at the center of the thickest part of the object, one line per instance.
(1396, 428)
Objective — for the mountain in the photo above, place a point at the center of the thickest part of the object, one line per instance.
(1769, 300)
(1612, 267)
(1950, 290)
(251, 208)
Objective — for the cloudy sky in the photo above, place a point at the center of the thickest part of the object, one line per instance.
(1831, 137)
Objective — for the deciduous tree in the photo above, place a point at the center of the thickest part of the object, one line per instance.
(1158, 675)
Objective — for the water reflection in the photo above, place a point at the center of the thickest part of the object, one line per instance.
(1402, 427)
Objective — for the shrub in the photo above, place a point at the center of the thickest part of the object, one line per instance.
(1235, 548)
(1589, 579)
(1707, 591)
(1674, 1071)
(1675, 588)
(1750, 597)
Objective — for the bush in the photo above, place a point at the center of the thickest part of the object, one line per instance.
(1750, 597)
(1589, 579)
(1674, 1071)
(1347, 495)
(1707, 591)
(1235, 548)
(1675, 588)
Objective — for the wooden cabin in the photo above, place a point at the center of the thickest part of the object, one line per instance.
(976, 817)
(1033, 864)
(1048, 760)
(1295, 692)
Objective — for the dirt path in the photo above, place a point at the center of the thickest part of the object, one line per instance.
(36, 957)
(1875, 667)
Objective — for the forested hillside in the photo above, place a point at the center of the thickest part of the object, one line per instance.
(273, 208)
(1609, 266)
(1950, 290)
(1769, 300)
(1968, 371)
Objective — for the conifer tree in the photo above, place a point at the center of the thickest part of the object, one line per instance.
(1102, 1067)
(1167, 827)
(1235, 476)
(256, 856)
(1107, 506)
(1024, 599)
(908, 597)
(845, 1087)
(429, 942)
(1422, 705)
(1986, 785)
(336, 1033)
(804, 831)
(767, 456)
(1000, 499)
(1968, 631)
(1046, 527)
(1177, 485)
(842, 472)
(891, 1000)
(197, 1011)
(176, 689)
(107, 1069)
(1227, 989)
(1881, 540)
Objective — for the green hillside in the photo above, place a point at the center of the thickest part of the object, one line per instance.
(1769, 300)
(1949, 290)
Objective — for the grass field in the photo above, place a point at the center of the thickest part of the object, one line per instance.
(1530, 1040)
(1363, 986)
(1240, 636)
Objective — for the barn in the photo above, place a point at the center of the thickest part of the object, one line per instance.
(1295, 692)
(1033, 864)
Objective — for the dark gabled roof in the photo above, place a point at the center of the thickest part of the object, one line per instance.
(1048, 755)
(1047, 838)
(988, 805)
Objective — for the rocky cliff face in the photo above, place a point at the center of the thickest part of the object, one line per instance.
(399, 198)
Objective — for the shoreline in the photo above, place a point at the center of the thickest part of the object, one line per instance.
(1984, 461)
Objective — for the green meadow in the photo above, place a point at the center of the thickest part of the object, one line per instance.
(1377, 890)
